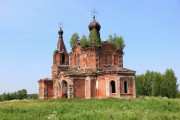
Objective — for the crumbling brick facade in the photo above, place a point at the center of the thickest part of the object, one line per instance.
(91, 72)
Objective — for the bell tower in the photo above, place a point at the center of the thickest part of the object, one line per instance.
(60, 56)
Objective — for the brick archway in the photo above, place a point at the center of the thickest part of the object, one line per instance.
(64, 89)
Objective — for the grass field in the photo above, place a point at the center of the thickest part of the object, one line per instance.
(144, 108)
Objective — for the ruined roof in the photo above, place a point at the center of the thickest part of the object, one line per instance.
(98, 71)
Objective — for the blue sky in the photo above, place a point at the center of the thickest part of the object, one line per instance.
(28, 35)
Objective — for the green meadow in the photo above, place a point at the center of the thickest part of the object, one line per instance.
(143, 108)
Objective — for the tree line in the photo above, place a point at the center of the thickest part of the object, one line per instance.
(20, 94)
(156, 84)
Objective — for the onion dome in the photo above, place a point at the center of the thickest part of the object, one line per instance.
(94, 24)
(60, 45)
(60, 32)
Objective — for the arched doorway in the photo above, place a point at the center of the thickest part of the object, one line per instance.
(64, 89)
(112, 87)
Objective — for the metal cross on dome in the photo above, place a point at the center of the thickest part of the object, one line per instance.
(60, 25)
(94, 13)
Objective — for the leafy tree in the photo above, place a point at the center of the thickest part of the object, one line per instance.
(94, 39)
(148, 82)
(14, 95)
(140, 84)
(111, 39)
(169, 87)
(118, 41)
(144, 83)
(74, 39)
(22, 94)
(178, 94)
(156, 83)
(84, 41)
(3, 97)
(8, 96)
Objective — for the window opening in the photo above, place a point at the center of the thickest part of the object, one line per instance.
(125, 87)
(63, 59)
(112, 87)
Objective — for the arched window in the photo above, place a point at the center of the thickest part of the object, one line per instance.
(125, 87)
(63, 58)
(112, 87)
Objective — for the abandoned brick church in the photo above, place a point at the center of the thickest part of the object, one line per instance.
(91, 72)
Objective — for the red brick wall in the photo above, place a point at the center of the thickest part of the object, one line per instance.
(109, 55)
(79, 88)
(41, 90)
(45, 89)
(91, 60)
(96, 57)
(55, 71)
(56, 58)
(101, 87)
(102, 81)
(75, 51)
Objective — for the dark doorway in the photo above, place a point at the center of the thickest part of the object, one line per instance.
(125, 87)
(112, 87)
(64, 89)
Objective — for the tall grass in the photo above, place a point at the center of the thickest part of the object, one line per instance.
(144, 108)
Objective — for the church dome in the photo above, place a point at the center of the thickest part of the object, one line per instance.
(94, 24)
(60, 32)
